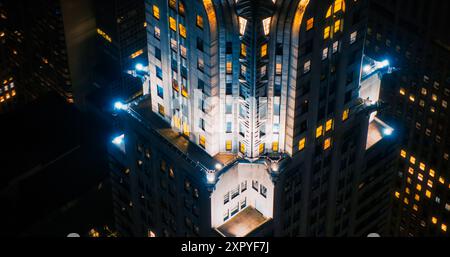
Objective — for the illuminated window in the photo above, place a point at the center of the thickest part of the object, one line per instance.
(420, 177)
(417, 197)
(415, 207)
(444, 227)
(434, 220)
(441, 180)
(264, 50)
(411, 171)
(202, 141)
(242, 148)
(422, 166)
(181, 9)
(345, 115)
(353, 37)
(406, 201)
(412, 160)
(432, 173)
(402, 91)
(229, 68)
(262, 148)
(403, 153)
(266, 25)
(327, 144)
(397, 194)
(275, 146)
(337, 26)
(319, 131)
(161, 110)
(419, 187)
(229, 145)
(183, 31)
(186, 130)
(242, 25)
(339, 5)
(329, 125)
(173, 24)
(424, 91)
(310, 24)
(434, 97)
(407, 190)
(428, 194)
(302, 144)
(307, 67)
(156, 12)
(430, 183)
(200, 21)
(326, 32)
(243, 50)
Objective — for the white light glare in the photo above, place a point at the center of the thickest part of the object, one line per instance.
(120, 106)
(388, 131)
(119, 140)
(218, 166)
(140, 67)
(211, 177)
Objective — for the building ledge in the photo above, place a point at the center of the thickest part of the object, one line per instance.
(243, 223)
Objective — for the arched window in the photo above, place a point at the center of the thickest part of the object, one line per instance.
(337, 25)
(336, 7)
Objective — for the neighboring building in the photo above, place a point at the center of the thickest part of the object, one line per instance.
(121, 44)
(415, 36)
(258, 118)
(43, 46)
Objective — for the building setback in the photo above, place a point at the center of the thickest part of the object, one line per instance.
(257, 118)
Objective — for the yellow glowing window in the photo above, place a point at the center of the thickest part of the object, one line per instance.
(229, 145)
(310, 24)
(339, 5)
(444, 227)
(417, 197)
(409, 180)
(397, 194)
(243, 50)
(422, 166)
(441, 180)
(420, 177)
(181, 9)
(403, 153)
(200, 21)
(326, 32)
(186, 130)
(161, 110)
(302, 144)
(406, 201)
(176, 122)
(136, 54)
(275, 146)
(329, 125)
(415, 207)
(412, 98)
(428, 193)
(411, 171)
(242, 148)
(412, 160)
(419, 187)
(328, 13)
(319, 131)
(183, 32)
(345, 115)
(156, 12)
(402, 91)
(264, 50)
(430, 183)
(434, 97)
(229, 68)
(202, 141)
(173, 24)
(327, 144)
(337, 26)
(434, 220)
(432, 173)
(262, 147)
(408, 191)
(173, 4)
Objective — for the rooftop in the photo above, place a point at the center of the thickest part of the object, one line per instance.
(243, 223)
(141, 110)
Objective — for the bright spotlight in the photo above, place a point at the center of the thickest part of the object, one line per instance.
(388, 131)
(218, 166)
(139, 67)
(385, 63)
(120, 106)
(367, 68)
(119, 140)
(211, 177)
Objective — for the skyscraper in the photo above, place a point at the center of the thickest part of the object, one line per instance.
(257, 118)
(414, 35)
(121, 44)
